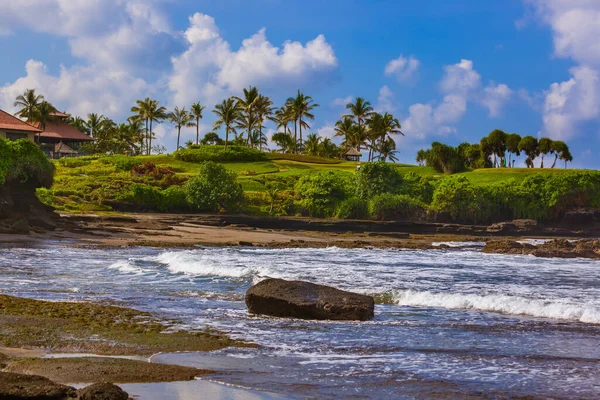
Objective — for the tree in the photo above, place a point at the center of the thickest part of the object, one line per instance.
(258, 138)
(376, 178)
(264, 109)
(215, 187)
(512, 145)
(282, 117)
(301, 107)
(329, 149)
(391, 126)
(211, 138)
(181, 119)
(79, 124)
(557, 148)
(228, 113)
(387, 149)
(354, 136)
(421, 157)
(545, 147)
(247, 105)
(93, 123)
(360, 109)
(247, 122)
(156, 113)
(565, 154)
(196, 111)
(141, 112)
(285, 141)
(497, 144)
(529, 145)
(28, 103)
(312, 145)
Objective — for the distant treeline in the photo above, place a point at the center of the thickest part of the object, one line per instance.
(493, 151)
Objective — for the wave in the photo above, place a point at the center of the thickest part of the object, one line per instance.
(126, 267)
(196, 264)
(512, 305)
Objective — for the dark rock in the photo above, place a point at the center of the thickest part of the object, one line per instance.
(555, 248)
(298, 299)
(579, 219)
(246, 244)
(20, 226)
(18, 386)
(503, 247)
(102, 391)
(517, 226)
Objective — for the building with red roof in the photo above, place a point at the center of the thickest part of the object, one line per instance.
(12, 128)
(59, 139)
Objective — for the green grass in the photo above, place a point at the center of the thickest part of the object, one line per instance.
(98, 186)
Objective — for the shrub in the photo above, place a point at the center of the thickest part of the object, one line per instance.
(302, 158)
(73, 162)
(44, 195)
(121, 163)
(219, 154)
(170, 199)
(376, 178)
(393, 207)
(23, 161)
(418, 187)
(152, 170)
(353, 208)
(215, 187)
(320, 193)
(460, 199)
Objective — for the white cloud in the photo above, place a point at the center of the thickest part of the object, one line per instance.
(327, 131)
(210, 60)
(402, 68)
(495, 97)
(576, 29)
(385, 100)
(460, 84)
(341, 101)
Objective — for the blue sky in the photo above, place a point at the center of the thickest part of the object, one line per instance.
(449, 70)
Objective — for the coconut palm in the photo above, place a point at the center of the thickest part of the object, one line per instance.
(79, 124)
(387, 149)
(196, 111)
(28, 103)
(247, 122)
(282, 117)
(360, 109)
(181, 119)
(228, 113)
(264, 109)
(140, 113)
(354, 136)
(375, 132)
(300, 110)
(312, 145)
(93, 123)
(329, 149)
(247, 107)
(391, 126)
(284, 140)
(156, 113)
(258, 139)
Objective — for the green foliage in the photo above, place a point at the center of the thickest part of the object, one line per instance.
(302, 158)
(121, 163)
(150, 197)
(320, 193)
(444, 158)
(219, 154)
(388, 206)
(44, 195)
(417, 187)
(460, 199)
(22, 161)
(215, 187)
(377, 178)
(353, 208)
(73, 162)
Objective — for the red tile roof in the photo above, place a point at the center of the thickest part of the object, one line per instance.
(62, 148)
(12, 123)
(59, 114)
(62, 130)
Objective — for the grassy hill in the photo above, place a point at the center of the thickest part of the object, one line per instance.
(102, 183)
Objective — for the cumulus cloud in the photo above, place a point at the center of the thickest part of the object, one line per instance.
(460, 84)
(402, 68)
(576, 27)
(385, 100)
(341, 101)
(210, 59)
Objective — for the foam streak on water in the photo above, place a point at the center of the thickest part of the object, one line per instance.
(453, 321)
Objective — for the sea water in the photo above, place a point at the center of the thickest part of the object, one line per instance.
(449, 323)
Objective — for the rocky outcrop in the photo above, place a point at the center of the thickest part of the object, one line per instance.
(102, 391)
(585, 248)
(305, 300)
(22, 212)
(19, 386)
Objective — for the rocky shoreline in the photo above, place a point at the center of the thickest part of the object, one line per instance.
(562, 248)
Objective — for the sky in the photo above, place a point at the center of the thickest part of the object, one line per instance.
(450, 71)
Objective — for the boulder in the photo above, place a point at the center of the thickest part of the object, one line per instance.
(19, 386)
(298, 299)
(102, 391)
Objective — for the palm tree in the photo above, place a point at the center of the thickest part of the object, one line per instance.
(247, 107)
(352, 134)
(360, 109)
(282, 117)
(391, 126)
(264, 110)
(43, 114)
(79, 124)
(284, 140)
(228, 112)
(301, 107)
(375, 132)
(181, 119)
(94, 122)
(258, 138)
(156, 114)
(247, 122)
(312, 145)
(141, 111)
(28, 103)
(387, 149)
(329, 149)
(196, 111)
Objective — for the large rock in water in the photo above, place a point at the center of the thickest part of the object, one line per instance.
(298, 299)
(18, 386)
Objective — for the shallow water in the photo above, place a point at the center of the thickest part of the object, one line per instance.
(449, 323)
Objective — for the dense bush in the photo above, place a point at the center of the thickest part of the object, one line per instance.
(302, 158)
(23, 161)
(353, 208)
(388, 206)
(152, 170)
(460, 199)
(121, 163)
(170, 199)
(417, 187)
(376, 178)
(73, 162)
(219, 154)
(215, 187)
(320, 193)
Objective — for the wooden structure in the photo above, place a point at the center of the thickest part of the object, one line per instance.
(12, 128)
(352, 154)
(59, 139)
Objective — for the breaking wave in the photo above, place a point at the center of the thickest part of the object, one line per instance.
(513, 305)
(196, 264)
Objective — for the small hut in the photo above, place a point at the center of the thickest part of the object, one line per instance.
(352, 154)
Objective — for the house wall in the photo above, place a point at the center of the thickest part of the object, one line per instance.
(12, 135)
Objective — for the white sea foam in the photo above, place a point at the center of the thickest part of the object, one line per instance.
(198, 264)
(459, 244)
(513, 305)
(126, 267)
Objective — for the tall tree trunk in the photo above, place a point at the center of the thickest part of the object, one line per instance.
(178, 135)
(300, 119)
(555, 158)
(226, 136)
(143, 150)
(542, 164)
(260, 137)
(149, 149)
(295, 136)
(197, 130)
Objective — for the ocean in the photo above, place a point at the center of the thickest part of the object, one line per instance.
(449, 323)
